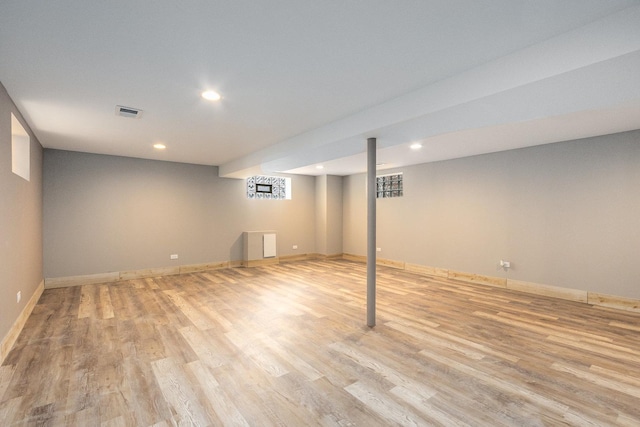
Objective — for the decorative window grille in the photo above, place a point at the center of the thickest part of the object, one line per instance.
(269, 187)
(389, 186)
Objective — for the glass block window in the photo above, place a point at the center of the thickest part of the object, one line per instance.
(269, 187)
(389, 186)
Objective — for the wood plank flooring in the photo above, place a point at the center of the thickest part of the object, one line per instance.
(286, 345)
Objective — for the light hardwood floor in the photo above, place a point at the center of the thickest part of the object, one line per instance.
(286, 345)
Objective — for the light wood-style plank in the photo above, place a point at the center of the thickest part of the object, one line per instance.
(286, 345)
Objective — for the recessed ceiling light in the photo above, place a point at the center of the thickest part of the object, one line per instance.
(380, 164)
(159, 146)
(211, 95)
(319, 167)
(415, 146)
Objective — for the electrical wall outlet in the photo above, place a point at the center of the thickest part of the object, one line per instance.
(295, 246)
(378, 249)
(18, 296)
(174, 256)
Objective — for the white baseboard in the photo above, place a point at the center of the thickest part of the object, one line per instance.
(570, 294)
(578, 295)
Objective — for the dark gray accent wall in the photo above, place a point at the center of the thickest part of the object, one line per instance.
(107, 213)
(20, 222)
(564, 214)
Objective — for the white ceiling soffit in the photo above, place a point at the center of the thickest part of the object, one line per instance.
(486, 140)
(561, 86)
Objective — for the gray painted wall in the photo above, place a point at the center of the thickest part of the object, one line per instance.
(564, 214)
(334, 215)
(107, 213)
(321, 214)
(354, 218)
(20, 222)
(329, 214)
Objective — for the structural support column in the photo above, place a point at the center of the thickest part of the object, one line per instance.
(371, 232)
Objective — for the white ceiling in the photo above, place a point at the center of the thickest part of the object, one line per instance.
(306, 82)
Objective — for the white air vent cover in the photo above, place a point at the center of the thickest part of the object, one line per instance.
(130, 112)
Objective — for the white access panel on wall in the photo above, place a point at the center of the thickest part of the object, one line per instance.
(269, 245)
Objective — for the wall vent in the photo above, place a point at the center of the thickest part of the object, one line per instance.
(130, 112)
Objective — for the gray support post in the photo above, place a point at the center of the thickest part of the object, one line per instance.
(371, 232)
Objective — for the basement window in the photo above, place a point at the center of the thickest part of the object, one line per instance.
(20, 155)
(269, 187)
(389, 186)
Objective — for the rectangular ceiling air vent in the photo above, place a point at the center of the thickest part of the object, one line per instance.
(130, 112)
